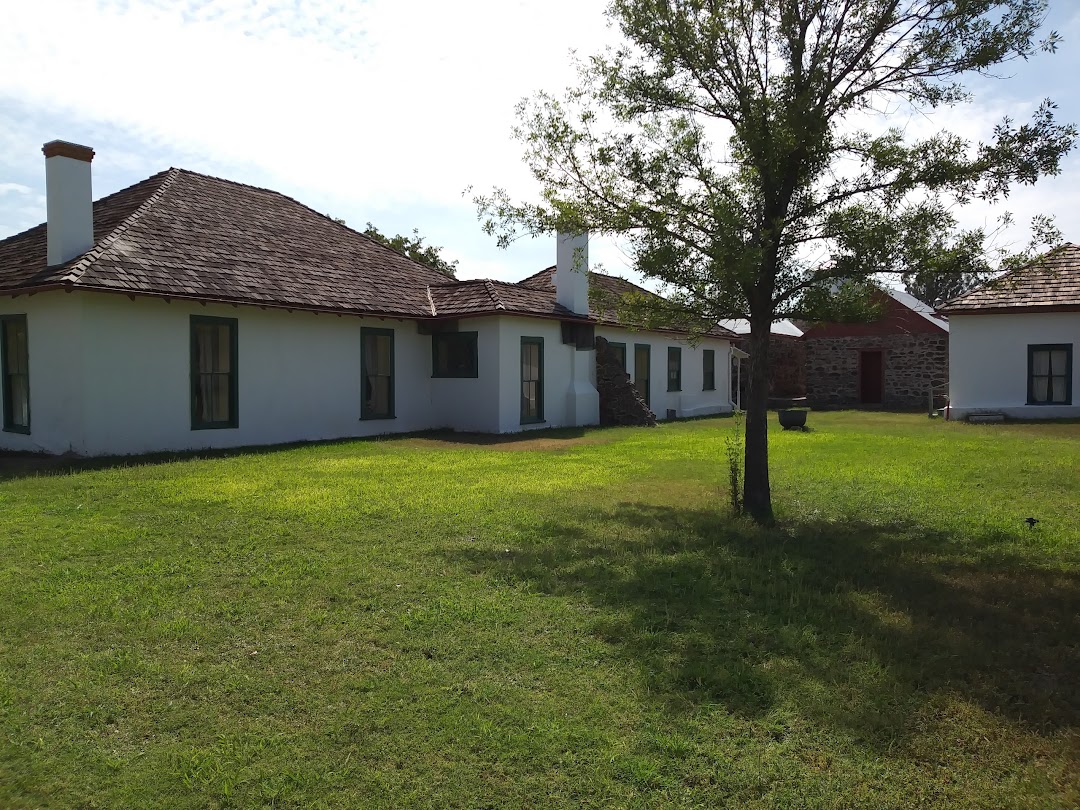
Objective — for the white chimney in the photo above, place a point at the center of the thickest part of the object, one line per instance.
(69, 200)
(572, 272)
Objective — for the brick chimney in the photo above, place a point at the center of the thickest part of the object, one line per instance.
(572, 272)
(69, 200)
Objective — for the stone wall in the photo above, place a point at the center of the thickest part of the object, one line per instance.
(620, 402)
(787, 366)
(912, 363)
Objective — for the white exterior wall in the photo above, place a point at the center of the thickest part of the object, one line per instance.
(111, 376)
(54, 338)
(988, 362)
(470, 404)
(692, 400)
(298, 376)
(557, 373)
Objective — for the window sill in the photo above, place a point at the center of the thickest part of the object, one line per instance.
(709, 389)
(215, 427)
(533, 422)
(1066, 403)
(377, 418)
(25, 431)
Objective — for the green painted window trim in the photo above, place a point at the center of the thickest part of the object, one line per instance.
(622, 346)
(1050, 347)
(365, 333)
(647, 393)
(9, 426)
(234, 388)
(530, 420)
(674, 353)
(708, 369)
(472, 338)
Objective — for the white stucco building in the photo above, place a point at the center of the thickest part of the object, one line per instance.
(189, 312)
(1012, 342)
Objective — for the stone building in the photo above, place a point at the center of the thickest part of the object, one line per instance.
(787, 358)
(890, 363)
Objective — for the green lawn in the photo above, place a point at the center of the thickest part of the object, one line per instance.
(565, 621)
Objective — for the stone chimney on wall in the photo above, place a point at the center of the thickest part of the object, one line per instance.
(69, 201)
(572, 272)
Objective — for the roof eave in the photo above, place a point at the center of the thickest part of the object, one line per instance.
(1012, 309)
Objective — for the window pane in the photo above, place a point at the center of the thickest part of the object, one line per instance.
(379, 401)
(383, 344)
(1040, 362)
(620, 352)
(24, 355)
(223, 349)
(377, 355)
(20, 401)
(204, 347)
(1058, 389)
(1057, 361)
(530, 362)
(204, 397)
(220, 397)
(529, 403)
(442, 357)
(1041, 388)
(11, 343)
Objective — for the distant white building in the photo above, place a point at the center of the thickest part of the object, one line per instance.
(188, 312)
(1012, 342)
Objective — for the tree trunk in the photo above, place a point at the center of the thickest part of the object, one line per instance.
(757, 497)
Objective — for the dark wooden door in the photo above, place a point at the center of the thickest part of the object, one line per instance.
(871, 377)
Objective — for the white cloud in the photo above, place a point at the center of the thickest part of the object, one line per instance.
(383, 101)
(381, 110)
(14, 188)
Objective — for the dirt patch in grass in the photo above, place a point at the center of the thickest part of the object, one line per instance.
(541, 441)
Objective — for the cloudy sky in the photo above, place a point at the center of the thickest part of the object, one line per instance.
(381, 111)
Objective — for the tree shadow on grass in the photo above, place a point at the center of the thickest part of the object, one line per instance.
(858, 626)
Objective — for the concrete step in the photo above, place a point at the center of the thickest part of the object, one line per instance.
(986, 416)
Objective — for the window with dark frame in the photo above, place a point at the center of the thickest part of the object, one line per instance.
(16, 367)
(674, 368)
(213, 373)
(708, 370)
(454, 354)
(532, 380)
(377, 373)
(1050, 374)
(620, 352)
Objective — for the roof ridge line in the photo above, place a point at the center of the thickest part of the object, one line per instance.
(490, 287)
(79, 268)
(431, 302)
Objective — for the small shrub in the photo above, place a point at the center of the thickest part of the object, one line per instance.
(734, 449)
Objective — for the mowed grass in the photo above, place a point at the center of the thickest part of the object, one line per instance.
(562, 621)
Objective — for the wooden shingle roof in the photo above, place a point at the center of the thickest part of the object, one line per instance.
(478, 296)
(1050, 283)
(187, 235)
(180, 234)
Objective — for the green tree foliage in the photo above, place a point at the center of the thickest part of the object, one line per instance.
(749, 153)
(413, 247)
